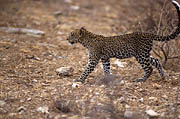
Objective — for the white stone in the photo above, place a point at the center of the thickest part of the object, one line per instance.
(165, 97)
(29, 99)
(75, 7)
(12, 114)
(128, 114)
(121, 99)
(122, 82)
(65, 71)
(141, 100)
(75, 85)
(21, 109)
(43, 109)
(152, 113)
(153, 98)
(127, 106)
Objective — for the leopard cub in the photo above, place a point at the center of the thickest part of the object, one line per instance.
(135, 44)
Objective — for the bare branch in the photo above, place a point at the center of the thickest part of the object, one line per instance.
(159, 24)
(175, 57)
(157, 54)
(165, 55)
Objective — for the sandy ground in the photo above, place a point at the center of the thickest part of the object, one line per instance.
(28, 79)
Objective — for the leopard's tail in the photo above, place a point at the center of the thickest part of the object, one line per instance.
(176, 32)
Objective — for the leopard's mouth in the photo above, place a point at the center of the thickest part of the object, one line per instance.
(72, 43)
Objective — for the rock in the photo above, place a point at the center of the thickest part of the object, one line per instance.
(165, 97)
(21, 109)
(36, 22)
(57, 13)
(163, 114)
(76, 85)
(153, 100)
(60, 33)
(128, 114)
(122, 82)
(75, 7)
(60, 116)
(121, 100)
(65, 71)
(2, 111)
(57, 116)
(133, 115)
(59, 38)
(127, 106)
(152, 113)
(2, 103)
(157, 86)
(74, 117)
(141, 100)
(43, 109)
(12, 114)
(29, 99)
(31, 32)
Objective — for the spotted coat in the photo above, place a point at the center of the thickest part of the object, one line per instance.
(136, 45)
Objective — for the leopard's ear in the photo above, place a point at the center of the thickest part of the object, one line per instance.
(82, 30)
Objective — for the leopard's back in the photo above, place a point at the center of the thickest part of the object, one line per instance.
(125, 46)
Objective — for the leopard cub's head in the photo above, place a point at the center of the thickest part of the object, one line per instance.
(76, 35)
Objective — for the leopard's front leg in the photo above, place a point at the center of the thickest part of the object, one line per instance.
(92, 62)
(106, 66)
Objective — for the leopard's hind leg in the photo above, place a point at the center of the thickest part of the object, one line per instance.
(155, 62)
(146, 65)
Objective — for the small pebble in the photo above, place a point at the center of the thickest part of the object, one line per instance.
(152, 98)
(121, 99)
(75, 7)
(152, 113)
(157, 86)
(43, 109)
(141, 100)
(127, 106)
(74, 117)
(128, 114)
(165, 97)
(75, 85)
(2, 103)
(12, 114)
(29, 99)
(21, 109)
(122, 82)
(65, 71)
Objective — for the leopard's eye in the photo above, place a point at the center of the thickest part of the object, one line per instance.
(72, 34)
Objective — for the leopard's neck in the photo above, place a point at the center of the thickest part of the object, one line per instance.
(88, 39)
